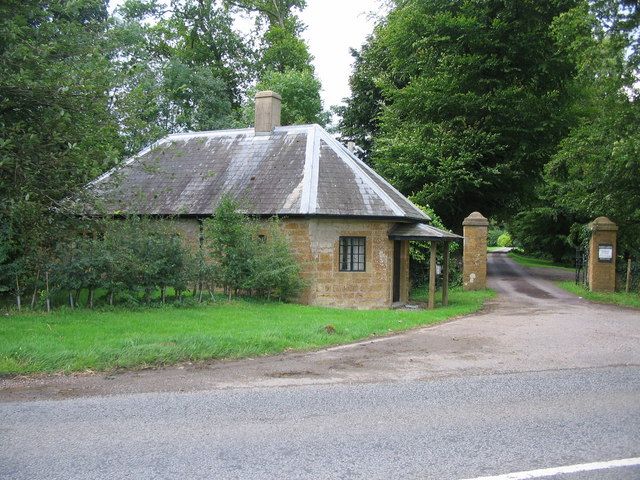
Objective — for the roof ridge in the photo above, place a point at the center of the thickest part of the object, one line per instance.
(381, 178)
(309, 196)
(349, 160)
(208, 133)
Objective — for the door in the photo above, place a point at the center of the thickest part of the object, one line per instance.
(397, 254)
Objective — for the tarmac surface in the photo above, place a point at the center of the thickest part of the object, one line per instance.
(539, 379)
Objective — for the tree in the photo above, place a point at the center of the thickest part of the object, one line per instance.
(284, 65)
(56, 130)
(543, 231)
(474, 101)
(359, 116)
(179, 67)
(300, 91)
(205, 37)
(596, 168)
(230, 242)
(277, 12)
(284, 49)
(276, 273)
(240, 259)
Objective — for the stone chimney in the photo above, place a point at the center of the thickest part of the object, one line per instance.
(267, 112)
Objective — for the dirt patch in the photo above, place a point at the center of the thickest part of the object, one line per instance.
(305, 373)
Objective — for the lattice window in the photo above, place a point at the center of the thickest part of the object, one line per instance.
(352, 254)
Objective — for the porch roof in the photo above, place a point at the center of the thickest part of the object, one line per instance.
(421, 232)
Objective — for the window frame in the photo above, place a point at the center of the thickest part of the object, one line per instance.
(349, 242)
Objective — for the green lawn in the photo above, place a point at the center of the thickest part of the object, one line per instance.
(80, 340)
(535, 262)
(617, 298)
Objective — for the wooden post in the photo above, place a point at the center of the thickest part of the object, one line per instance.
(445, 275)
(628, 284)
(432, 276)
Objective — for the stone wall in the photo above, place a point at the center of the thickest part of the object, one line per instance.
(369, 289)
(189, 230)
(315, 243)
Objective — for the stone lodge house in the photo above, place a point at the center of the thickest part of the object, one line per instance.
(348, 227)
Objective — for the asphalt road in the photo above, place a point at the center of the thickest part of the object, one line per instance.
(539, 380)
(443, 429)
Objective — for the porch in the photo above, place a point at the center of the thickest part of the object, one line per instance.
(420, 232)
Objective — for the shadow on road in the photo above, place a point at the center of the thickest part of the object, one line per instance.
(525, 283)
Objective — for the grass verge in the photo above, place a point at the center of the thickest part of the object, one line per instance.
(535, 262)
(617, 298)
(82, 340)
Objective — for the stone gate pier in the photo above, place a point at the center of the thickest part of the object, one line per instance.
(601, 272)
(474, 255)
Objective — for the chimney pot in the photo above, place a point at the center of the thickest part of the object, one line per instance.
(268, 105)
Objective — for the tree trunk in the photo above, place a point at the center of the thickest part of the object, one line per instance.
(46, 281)
(111, 298)
(91, 298)
(35, 290)
(163, 292)
(628, 284)
(18, 299)
(71, 299)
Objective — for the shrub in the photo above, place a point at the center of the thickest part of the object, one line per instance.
(493, 234)
(504, 240)
(126, 258)
(68, 269)
(231, 246)
(276, 272)
(132, 256)
(243, 261)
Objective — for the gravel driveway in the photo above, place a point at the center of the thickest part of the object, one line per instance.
(530, 326)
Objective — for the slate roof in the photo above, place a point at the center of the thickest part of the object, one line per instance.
(294, 171)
